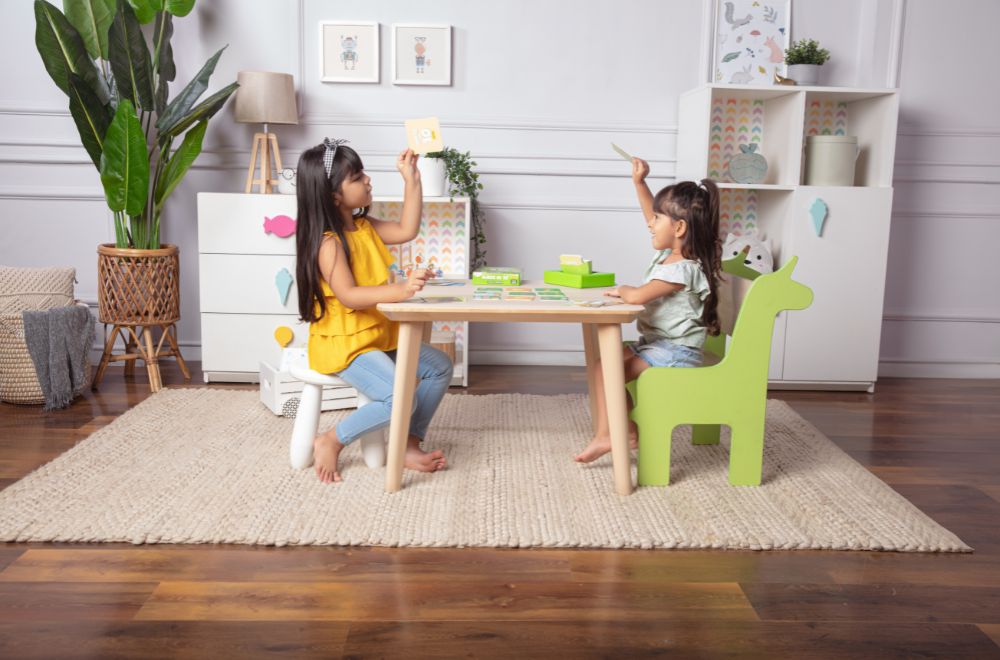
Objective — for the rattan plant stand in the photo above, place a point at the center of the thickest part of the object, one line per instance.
(139, 291)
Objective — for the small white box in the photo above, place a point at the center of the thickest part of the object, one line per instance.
(280, 392)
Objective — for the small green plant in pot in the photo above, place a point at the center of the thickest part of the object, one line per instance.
(463, 181)
(804, 57)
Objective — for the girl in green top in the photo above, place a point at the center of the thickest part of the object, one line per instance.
(680, 290)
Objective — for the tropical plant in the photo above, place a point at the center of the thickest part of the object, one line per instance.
(806, 51)
(118, 88)
(463, 181)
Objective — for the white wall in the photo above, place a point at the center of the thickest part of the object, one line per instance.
(539, 90)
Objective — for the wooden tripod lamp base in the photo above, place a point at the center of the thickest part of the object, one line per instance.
(265, 158)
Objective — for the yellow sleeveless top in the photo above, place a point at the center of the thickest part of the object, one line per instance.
(344, 333)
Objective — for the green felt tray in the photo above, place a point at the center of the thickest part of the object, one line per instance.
(590, 281)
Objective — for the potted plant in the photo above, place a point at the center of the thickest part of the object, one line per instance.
(117, 77)
(462, 181)
(804, 57)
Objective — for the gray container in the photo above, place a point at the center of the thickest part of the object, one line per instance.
(830, 160)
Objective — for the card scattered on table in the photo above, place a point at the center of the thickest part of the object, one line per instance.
(424, 135)
(438, 299)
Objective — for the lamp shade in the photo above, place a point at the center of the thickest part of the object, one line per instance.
(266, 98)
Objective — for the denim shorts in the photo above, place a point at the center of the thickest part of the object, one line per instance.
(665, 353)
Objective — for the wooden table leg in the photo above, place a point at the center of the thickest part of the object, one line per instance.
(609, 336)
(591, 352)
(407, 354)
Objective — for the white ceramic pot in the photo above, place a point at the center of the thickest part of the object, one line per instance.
(830, 160)
(432, 176)
(804, 74)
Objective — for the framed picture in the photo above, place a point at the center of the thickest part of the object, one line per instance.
(750, 40)
(421, 54)
(348, 51)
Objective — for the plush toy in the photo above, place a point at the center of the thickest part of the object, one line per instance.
(754, 246)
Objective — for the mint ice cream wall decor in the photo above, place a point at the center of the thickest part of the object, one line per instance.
(283, 280)
(818, 210)
(748, 166)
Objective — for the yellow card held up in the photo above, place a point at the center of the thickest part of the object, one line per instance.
(424, 135)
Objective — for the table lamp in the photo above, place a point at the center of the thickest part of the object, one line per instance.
(265, 98)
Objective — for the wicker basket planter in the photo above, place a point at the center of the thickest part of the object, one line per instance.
(138, 287)
(139, 290)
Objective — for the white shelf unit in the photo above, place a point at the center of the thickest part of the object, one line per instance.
(239, 302)
(835, 343)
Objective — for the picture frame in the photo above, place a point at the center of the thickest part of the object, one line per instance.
(750, 36)
(349, 51)
(421, 54)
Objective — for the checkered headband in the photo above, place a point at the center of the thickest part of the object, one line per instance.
(331, 145)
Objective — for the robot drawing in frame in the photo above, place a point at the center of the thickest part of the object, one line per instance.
(421, 54)
(349, 51)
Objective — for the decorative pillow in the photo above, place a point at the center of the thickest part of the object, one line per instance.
(35, 288)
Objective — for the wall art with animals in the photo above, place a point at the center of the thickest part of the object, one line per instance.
(750, 41)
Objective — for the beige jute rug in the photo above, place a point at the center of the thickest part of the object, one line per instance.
(211, 466)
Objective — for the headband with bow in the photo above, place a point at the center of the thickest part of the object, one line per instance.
(331, 145)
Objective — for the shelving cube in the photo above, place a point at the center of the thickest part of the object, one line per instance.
(834, 344)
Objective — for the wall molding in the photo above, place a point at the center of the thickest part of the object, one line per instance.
(898, 316)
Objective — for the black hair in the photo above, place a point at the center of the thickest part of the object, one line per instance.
(698, 205)
(317, 214)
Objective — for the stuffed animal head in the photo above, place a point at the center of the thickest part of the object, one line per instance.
(757, 253)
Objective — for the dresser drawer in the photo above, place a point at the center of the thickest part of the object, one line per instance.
(245, 284)
(240, 342)
(233, 223)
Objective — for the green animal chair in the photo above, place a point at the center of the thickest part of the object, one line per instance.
(732, 392)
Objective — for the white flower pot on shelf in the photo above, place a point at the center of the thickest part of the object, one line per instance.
(432, 176)
(804, 74)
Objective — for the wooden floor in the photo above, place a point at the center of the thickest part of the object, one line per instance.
(937, 442)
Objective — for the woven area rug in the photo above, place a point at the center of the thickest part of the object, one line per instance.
(211, 466)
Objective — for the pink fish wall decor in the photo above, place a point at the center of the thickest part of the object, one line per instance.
(279, 225)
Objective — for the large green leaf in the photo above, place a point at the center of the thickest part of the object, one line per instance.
(179, 163)
(92, 18)
(145, 10)
(92, 117)
(201, 112)
(163, 59)
(183, 102)
(179, 7)
(130, 61)
(125, 162)
(62, 48)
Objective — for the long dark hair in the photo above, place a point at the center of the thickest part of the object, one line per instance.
(698, 205)
(317, 214)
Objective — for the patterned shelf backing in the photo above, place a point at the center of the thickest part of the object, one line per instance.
(741, 121)
(440, 245)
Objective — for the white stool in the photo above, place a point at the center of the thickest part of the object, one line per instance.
(307, 421)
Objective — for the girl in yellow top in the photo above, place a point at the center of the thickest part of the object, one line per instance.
(342, 272)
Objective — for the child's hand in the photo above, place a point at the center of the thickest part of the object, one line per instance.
(407, 166)
(416, 281)
(640, 169)
(614, 291)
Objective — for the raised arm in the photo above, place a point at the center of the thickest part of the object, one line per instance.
(640, 169)
(404, 231)
(335, 270)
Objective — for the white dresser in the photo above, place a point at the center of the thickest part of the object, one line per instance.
(241, 306)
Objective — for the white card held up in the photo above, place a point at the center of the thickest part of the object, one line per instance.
(621, 152)
(424, 135)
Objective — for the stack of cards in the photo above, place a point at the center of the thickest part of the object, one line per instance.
(519, 294)
(551, 294)
(488, 293)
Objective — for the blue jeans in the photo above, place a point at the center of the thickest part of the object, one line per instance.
(374, 374)
(665, 353)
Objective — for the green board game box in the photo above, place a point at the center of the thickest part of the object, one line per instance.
(502, 275)
(579, 281)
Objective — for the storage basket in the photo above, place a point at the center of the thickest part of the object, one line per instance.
(26, 289)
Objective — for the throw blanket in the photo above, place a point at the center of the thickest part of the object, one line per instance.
(59, 342)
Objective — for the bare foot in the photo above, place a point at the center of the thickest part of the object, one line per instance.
(326, 451)
(601, 445)
(420, 460)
